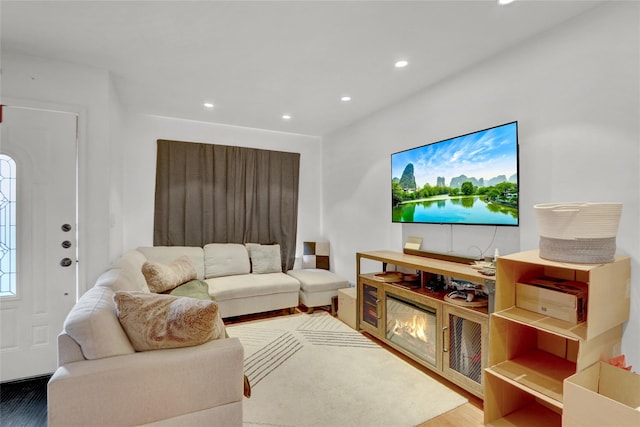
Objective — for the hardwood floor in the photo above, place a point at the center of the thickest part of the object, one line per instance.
(23, 403)
(467, 415)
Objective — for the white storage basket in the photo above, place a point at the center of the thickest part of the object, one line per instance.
(578, 232)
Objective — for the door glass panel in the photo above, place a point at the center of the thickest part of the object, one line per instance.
(370, 305)
(7, 226)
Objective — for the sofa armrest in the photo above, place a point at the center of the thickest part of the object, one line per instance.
(144, 387)
(68, 350)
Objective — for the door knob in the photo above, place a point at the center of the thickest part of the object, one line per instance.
(65, 262)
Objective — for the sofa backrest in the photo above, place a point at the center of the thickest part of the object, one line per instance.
(93, 322)
(225, 259)
(131, 264)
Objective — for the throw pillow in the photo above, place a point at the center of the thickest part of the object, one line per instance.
(194, 289)
(155, 321)
(315, 255)
(265, 258)
(161, 277)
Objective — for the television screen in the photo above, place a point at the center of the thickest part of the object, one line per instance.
(469, 179)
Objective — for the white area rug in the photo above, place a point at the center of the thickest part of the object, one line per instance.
(313, 370)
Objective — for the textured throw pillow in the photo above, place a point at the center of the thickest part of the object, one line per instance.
(161, 277)
(265, 258)
(155, 321)
(193, 289)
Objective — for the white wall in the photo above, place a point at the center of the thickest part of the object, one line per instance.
(138, 147)
(575, 93)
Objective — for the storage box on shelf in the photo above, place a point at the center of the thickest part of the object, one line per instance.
(456, 336)
(602, 395)
(564, 300)
(531, 354)
(608, 294)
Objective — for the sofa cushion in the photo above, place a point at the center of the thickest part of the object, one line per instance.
(225, 259)
(250, 285)
(155, 321)
(94, 325)
(317, 280)
(166, 254)
(264, 258)
(162, 277)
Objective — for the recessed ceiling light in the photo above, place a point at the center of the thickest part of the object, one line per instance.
(208, 105)
(505, 2)
(345, 98)
(286, 116)
(401, 64)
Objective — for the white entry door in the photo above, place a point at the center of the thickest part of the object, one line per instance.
(38, 237)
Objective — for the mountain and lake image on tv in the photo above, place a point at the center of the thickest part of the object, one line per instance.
(469, 179)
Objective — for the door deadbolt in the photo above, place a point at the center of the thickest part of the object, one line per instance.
(66, 227)
(66, 244)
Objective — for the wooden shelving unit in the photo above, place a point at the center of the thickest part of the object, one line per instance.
(451, 319)
(531, 354)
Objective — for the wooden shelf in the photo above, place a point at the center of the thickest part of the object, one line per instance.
(423, 294)
(608, 295)
(539, 372)
(532, 415)
(431, 265)
(557, 326)
(508, 403)
(532, 354)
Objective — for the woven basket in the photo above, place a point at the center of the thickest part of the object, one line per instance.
(578, 232)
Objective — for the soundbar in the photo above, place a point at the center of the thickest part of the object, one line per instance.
(442, 256)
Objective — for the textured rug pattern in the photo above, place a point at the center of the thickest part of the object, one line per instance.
(313, 370)
(268, 358)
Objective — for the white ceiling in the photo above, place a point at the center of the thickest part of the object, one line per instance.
(259, 59)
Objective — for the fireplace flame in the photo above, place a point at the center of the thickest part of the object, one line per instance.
(415, 326)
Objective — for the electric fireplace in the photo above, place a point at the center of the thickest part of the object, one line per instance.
(412, 327)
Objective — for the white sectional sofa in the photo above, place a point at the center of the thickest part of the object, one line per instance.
(102, 380)
(247, 279)
(241, 282)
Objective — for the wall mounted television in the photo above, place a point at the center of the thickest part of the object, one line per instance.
(471, 179)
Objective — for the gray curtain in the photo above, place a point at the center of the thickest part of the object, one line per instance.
(209, 193)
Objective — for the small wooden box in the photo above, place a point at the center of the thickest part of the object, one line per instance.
(602, 395)
(560, 299)
(347, 306)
